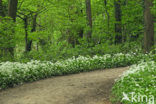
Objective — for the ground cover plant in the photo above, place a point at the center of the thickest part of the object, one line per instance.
(137, 84)
(14, 73)
(45, 38)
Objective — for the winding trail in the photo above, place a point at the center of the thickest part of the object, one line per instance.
(84, 88)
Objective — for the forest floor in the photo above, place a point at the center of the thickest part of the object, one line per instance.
(84, 88)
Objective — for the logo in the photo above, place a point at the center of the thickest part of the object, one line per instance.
(133, 97)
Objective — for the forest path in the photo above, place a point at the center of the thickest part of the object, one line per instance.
(84, 88)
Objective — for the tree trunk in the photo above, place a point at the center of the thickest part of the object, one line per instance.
(81, 31)
(118, 27)
(27, 40)
(26, 34)
(124, 26)
(1, 15)
(12, 9)
(1, 9)
(89, 18)
(149, 26)
(34, 23)
(108, 16)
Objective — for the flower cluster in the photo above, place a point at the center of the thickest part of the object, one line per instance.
(140, 79)
(14, 73)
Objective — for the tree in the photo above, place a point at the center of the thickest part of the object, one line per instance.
(118, 27)
(149, 26)
(1, 9)
(89, 18)
(29, 41)
(28, 14)
(108, 16)
(12, 9)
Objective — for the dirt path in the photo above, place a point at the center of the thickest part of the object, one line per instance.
(84, 88)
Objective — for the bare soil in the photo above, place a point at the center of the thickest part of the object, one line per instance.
(84, 88)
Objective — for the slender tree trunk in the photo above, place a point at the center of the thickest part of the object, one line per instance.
(118, 27)
(89, 18)
(26, 33)
(108, 16)
(149, 26)
(109, 36)
(81, 31)
(27, 40)
(34, 23)
(1, 9)
(124, 26)
(12, 9)
(1, 15)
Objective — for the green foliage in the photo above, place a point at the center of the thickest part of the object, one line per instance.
(61, 27)
(62, 50)
(132, 19)
(140, 79)
(7, 38)
(154, 8)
